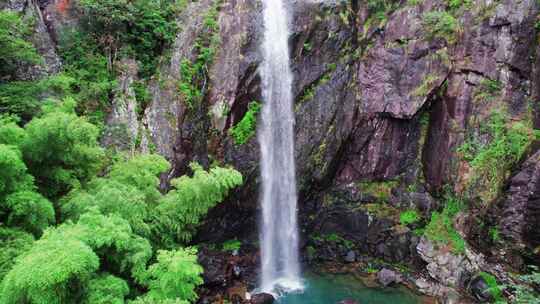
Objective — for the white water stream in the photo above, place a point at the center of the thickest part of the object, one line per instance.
(279, 231)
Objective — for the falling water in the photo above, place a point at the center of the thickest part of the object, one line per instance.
(279, 232)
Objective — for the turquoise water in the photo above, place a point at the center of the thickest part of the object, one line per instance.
(331, 289)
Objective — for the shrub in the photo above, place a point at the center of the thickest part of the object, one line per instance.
(24, 98)
(232, 245)
(13, 173)
(13, 242)
(14, 47)
(106, 289)
(245, 128)
(61, 150)
(492, 161)
(180, 211)
(441, 227)
(175, 275)
(525, 293)
(441, 25)
(494, 288)
(409, 217)
(139, 28)
(54, 270)
(30, 211)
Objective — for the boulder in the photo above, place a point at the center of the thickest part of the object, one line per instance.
(350, 257)
(480, 289)
(387, 277)
(262, 298)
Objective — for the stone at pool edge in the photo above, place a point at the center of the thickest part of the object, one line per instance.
(387, 277)
(262, 298)
(348, 302)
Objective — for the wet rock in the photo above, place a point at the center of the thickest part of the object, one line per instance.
(388, 277)
(520, 216)
(480, 289)
(348, 301)
(262, 298)
(350, 257)
(448, 269)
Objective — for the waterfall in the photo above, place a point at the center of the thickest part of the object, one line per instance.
(279, 231)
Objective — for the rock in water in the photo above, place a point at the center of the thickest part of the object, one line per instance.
(262, 298)
(348, 301)
(387, 277)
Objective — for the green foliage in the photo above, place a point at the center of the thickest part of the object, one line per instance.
(494, 234)
(381, 190)
(232, 245)
(129, 190)
(142, 95)
(13, 172)
(194, 74)
(53, 271)
(441, 227)
(488, 90)
(93, 79)
(490, 162)
(112, 237)
(427, 85)
(180, 211)
(14, 47)
(441, 25)
(10, 133)
(109, 197)
(457, 4)
(30, 211)
(139, 28)
(106, 289)
(13, 242)
(24, 98)
(335, 239)
(409, 217)
(175, 275)
(61, 150)
(494, 288)
(143, 173)
(245, 128)
(379, 9)
(525, 293)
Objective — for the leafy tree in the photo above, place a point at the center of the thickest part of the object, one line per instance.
(61, 149)
(13, 242)
(30, 211)
(93, 78)
(14, 47)
(441, 25)
(129, 190)
(113, 239)
(24, 98)
(181, 210)
(10, 132)
(140, 28)
(175, 275)
(106, 289)
(109, 197)
(54, 270)
(59, 268)
(141, 172)
(13, 173)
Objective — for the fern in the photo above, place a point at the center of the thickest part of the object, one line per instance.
(181, 210)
